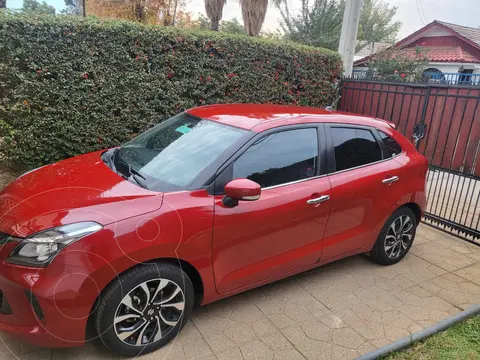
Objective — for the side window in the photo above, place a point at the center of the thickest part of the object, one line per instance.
(392, 146)
(279, 158)
(354, 147)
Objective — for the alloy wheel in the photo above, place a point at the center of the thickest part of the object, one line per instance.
(399, 237)
(149, 312)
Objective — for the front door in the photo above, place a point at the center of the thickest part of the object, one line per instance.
(283, 230)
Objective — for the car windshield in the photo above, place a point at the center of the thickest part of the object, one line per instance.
(171, 155)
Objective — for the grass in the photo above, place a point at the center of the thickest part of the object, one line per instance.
(461, 342)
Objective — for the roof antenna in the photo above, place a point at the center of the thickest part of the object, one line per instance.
(330, 107)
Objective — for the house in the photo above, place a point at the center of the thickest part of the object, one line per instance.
(371, 49)
(453, 52)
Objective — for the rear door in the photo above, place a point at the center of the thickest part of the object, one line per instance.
(282, 231)
(366, 188)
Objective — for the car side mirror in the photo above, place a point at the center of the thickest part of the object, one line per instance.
(241, 190)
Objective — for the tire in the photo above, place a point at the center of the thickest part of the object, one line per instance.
(127, 318)
(389, 251)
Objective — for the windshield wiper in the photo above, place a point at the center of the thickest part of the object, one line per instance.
(139, 182)
(132, 172)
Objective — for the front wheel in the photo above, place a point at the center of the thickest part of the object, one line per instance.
(396, 238)
(144, 308)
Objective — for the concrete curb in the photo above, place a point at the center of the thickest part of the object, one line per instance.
(409, 340)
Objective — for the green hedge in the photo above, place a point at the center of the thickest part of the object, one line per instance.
(70, 86)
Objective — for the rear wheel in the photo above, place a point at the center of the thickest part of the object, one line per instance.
(396, 237)
(144, 308)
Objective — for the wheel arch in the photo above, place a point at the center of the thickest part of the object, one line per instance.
(416, 209)
(190, 270)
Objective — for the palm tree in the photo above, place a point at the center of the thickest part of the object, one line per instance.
(214, 10)
(254, 12)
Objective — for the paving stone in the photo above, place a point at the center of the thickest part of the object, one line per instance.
(219, 342)
(394, 333)
(369, 330)
(210, 324)
(232, 354)
(197, 349)
(281, 320)
(315, 350)
(470, 273)
(246, 312)
(396, 317)
(263, 326)
(291, 354)
(332, 320)
(188, 334)
(276, 342)
(365, 348)
(297, 313)
(347, 337)
(239, 332)
(316, 330)
(78, 353)
(256, 350)
(343, 353)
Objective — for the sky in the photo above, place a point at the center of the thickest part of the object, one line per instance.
(413, 14)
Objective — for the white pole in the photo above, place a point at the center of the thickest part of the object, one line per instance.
(348, 37)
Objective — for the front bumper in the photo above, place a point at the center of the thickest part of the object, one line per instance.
(45, 307)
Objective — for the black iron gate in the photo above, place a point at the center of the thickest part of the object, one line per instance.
(444, 122)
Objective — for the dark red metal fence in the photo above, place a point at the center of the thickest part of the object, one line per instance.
(450, 117)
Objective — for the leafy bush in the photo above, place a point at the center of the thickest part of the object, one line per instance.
(399, 65)
(70, 86)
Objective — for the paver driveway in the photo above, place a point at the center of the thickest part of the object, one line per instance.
(338, 311)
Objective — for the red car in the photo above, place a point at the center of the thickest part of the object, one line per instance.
(212, 202)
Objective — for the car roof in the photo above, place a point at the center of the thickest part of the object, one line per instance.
(261, 117)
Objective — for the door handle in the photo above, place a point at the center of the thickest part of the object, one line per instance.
(390, 180)
(318, 200)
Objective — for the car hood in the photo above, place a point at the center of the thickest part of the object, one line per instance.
(82, 188)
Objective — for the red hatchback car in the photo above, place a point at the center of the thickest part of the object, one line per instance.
(212, 202)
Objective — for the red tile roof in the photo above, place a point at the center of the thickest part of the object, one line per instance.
(443, 54)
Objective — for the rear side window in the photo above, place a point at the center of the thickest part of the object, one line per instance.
(391, 145)
(354, 147)
(279, 158)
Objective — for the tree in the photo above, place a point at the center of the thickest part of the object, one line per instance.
(232, 26)
(319, 22)
(253, 13)
(376, 23)
(163, 12)
(37, 7)
(214, 10)
(73, 7)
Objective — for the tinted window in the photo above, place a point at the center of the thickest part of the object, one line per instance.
(354, 147)
(172, 154)
(279, 158)
(392, 146)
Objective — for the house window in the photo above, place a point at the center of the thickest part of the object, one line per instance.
(434, 75)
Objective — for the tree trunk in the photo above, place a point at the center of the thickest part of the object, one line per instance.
(3, 4)
(215, 25)
(140, 12)
(174, 17)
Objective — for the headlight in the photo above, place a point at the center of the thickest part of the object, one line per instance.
(39, 249)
